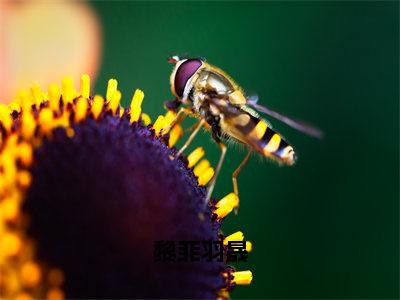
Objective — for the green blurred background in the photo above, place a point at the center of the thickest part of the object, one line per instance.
(327, 227)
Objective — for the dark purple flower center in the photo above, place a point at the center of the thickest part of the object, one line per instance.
(99, 201)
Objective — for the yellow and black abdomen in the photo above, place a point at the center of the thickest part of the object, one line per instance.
(255, 132)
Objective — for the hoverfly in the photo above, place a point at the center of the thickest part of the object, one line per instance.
(213, 97)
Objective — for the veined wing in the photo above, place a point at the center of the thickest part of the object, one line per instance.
(299, 125)
(244, 125)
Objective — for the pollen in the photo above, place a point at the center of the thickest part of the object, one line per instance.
(136, 105)
(10, 245)
(168, 119)
(201, 167)
(30, 274)
(28, 125)
(5, 117)
(55, 294)
(97, 106)
(146, 119)
(174, 135)
(114, 102)
(206, 176)
(242, 277)
(46, 119)
(9, 209)
(158, 124)
(229, 200)
(54, 96)
(111, 89)
(24, 178)
(24, 153)
(81, 109)
(195, 156)
(23, 296)
(249, 246)
(226, 205)
(237, 236)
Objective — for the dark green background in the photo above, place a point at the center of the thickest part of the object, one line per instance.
(327, 227)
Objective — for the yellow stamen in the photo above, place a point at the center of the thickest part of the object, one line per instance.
(114, 102)
(23, 296)
(158, 124)
(25, 153)
(195, 156)
(97, 106)
(111, 89)
(223, 211)
(5, 117)
(231, 199)
(206, 176)
(174, 135)
(146, 119)
(37, 93)
(14, 106)
(237, 236)
(168, 119)
(62, 121)
(226, 205)
(9, 168)
(201, 167)
(249, 246)
(45, 96)
(242, 277)
(81, 109)
(46, 119)
(9, 209)
(28, 124)
(85, 86)
(10, 244)
(24, 98)
(68, 90)
(55, 294)
(24, 178)
(54, 97)
(30, 274)
(136, 105)
(223, 294)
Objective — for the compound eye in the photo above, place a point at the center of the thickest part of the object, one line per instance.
(183, 74)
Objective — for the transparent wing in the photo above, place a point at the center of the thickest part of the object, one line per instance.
(299, 125)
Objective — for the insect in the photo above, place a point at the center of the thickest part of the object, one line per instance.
(209, 94)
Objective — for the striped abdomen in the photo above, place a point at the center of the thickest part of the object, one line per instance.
(256, 133)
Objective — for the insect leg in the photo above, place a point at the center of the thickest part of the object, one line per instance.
(178, 118)
(238, 170)
(217, 169)
(191, 137)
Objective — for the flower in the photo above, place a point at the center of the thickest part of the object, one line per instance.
(86, 190)
(31, 50)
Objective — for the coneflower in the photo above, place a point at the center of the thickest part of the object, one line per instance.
(86, 190)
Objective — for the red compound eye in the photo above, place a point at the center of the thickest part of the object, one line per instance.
(183, 74)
